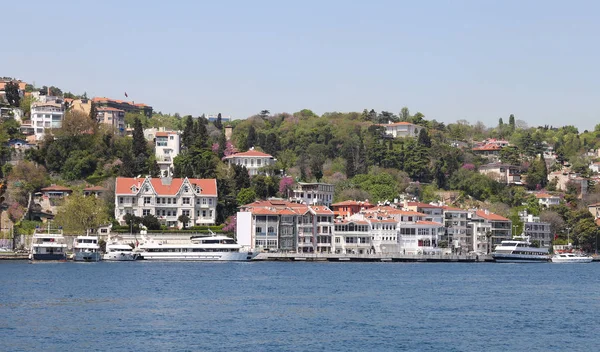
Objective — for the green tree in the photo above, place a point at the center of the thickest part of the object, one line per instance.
(151, 222)
(511, 122)
(93, 112)
(140, 146)
(246, 196)
(184, 220)
(424, 139)
(11, 93)
(251, 138)
(80, 213)
(404, 114)
(510, 155)
(219, 122)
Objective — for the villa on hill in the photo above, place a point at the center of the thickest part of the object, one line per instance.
(253, 160)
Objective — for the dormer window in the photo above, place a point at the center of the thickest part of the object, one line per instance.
(133, 189)
(197, 189)
(186, 189)
(146, 189)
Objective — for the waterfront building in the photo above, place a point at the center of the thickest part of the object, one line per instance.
(276, 224)
(313, 193)
(348, 208)
(536, 229)
(167, 199)
(167, 147)
(353, 236)
(500, 229)
(456, 224)
(253, 160)
(432, 212)
(401, 129)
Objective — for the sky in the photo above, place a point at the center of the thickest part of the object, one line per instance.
(451, 60)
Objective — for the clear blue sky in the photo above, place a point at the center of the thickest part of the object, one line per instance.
(451, 60)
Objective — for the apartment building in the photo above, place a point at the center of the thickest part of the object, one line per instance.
(313, 193)
(457, 229)
(102, 102)
(46, 115)
(167, 199)
(112, 117)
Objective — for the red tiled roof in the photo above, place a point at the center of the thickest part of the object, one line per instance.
(110, 109)
(352, 202)
(162, 134)
(545, 195)
(95, 188)
(490, 216)
(447, 208)
(56, 188)
(321, 210)
(248, 154)
(207, 186)
(488, 147)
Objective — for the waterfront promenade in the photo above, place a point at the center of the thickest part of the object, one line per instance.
(387, 257)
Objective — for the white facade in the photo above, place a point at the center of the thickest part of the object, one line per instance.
(402, 129)
(253, 160)
(547, 200)
(46, 116)
(112, 117)
(313, 193)
(167, 147)
(167, 199)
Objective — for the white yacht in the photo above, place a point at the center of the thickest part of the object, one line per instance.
(86, 249)
(119, 252)
(519, 250)
(571, 258)
(48, 245)
(209, 248)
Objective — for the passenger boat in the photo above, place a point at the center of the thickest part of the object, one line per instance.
(208, 248)
(519, 251)
(86, 249)
(119, 252)
(48, 245)
(571, 258)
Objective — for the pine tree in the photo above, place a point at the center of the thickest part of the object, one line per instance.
(127, 168)
(424, 139)
(511, 122)
(500, 122)
(187, 137)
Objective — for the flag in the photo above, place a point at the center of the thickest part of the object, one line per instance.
(555, 236)
(127, 96)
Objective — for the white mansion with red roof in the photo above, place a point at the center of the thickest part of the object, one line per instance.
(253, 160)
(167, 199)
(401, 129)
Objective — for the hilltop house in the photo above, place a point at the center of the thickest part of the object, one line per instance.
(503, 173)
(253, 160)
(401, 129)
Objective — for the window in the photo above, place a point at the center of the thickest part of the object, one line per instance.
(120, 200)
(203, 201)
(145, 212)
(203, 213)
(258, 229)
(171, 137)
(210, 212)
(186, 189)
(146, 200)
(186, 200)
(210, 201)
(169, 200)
(146, 189)
(185, 212)
(271, 229)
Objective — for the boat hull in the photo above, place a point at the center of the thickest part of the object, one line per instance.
(87, 257)
(120, 257)
(48, 256)
(198, 256)
(516, 258)
(572, 260)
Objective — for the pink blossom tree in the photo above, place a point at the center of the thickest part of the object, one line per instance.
(285, 185)
(230, 224)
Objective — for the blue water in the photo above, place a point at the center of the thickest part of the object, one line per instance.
(266, 306)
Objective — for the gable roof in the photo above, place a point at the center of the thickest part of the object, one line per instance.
(123, 185)
(249, 154)
(57, 188)
(490, 216)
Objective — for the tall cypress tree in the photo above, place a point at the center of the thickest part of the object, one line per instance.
(219, 122)
(251, 139)
(139, 142)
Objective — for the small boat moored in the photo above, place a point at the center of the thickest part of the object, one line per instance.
(48, 245)
(86, 249)
(119, 252)
(571, 258)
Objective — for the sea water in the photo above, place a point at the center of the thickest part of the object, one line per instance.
(275, 306)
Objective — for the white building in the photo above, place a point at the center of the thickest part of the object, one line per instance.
(457, 229)
(45, 115)
(402, 129)
(253, 160)
(313, 193)
(536, 230)
(167, 147)
(167, 199)
(547, 200)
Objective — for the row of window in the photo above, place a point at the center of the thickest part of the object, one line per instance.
(169, 200)
(169, 212)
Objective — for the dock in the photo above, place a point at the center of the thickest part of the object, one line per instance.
(387, 257)
(13, 256)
